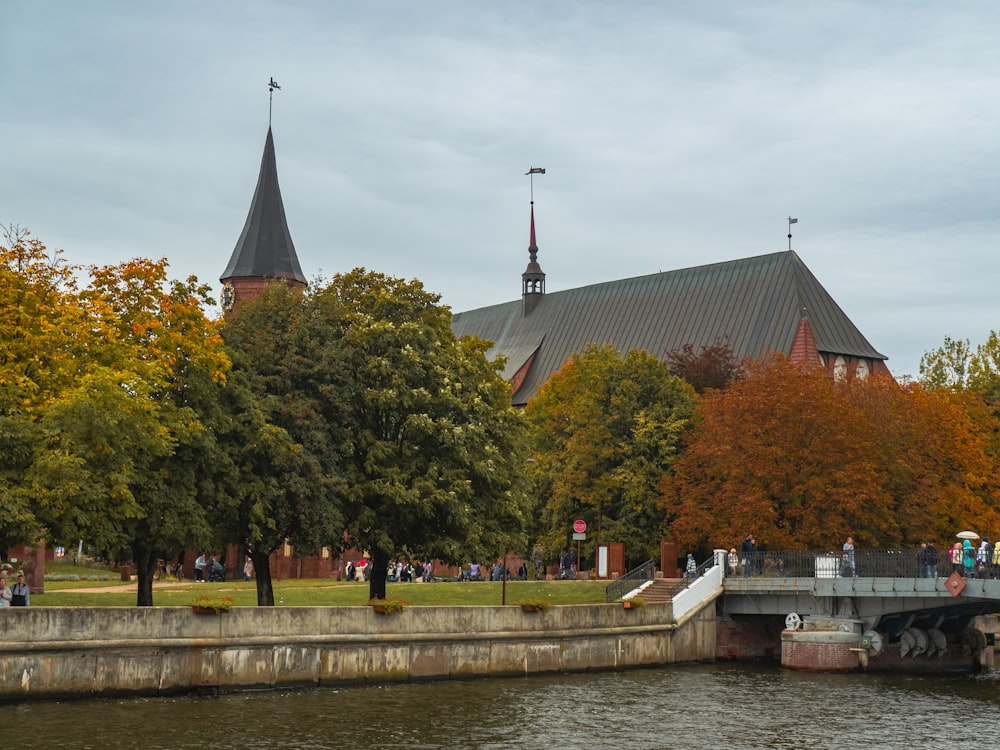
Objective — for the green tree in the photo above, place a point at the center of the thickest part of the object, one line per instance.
(434, 454)
(164, 336)
(605, 429)
(284, 429)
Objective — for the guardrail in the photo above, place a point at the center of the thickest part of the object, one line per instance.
(879, 563)
(633, 579)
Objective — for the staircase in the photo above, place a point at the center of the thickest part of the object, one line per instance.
(660, 590)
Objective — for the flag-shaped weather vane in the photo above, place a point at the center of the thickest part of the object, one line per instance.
(532, 171)
(790, 222)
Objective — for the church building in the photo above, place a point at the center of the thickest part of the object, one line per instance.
(754, 306)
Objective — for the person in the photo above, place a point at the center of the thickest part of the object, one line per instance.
(20, 595)
(350, 570)
(956, 559)
(691, 569)
(968, 557)
(849, 568)
(571, 559)
(996, 559)
(748, 551)
(733, 561)
(536, 560)
(930, 560)
(984, 557)
(474, 574)
(199, 568)
(248, 569)
(5, 595)
(522, 572)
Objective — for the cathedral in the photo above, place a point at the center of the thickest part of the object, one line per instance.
(755, 306)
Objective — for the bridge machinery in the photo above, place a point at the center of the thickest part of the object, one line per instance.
(836, 622)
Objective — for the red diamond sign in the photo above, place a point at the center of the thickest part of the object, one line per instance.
(955, 584)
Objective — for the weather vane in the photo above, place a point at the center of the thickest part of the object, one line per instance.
(790, 222)
(271, 86)
(532, 171)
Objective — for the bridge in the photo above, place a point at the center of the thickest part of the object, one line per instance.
(882, 594)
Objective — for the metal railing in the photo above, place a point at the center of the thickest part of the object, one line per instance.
(633, 579)
(878, 563)
(686, 580)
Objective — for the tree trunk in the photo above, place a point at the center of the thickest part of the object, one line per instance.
(262, 575)
(144, 560)
(380, 568)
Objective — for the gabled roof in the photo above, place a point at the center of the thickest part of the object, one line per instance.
(265, 248)
(755, 306)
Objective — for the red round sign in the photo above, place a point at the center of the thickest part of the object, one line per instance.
(579, 526)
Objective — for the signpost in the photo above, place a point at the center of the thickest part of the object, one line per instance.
(579, 534)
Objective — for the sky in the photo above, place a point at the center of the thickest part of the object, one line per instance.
(673, 134)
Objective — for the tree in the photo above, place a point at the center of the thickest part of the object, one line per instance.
(284, 430)
(433, 452)
(713, 366)
(44, 336)
(605, 429)
(946, 366)
(165, 337)
(802, 461)
(404, 432)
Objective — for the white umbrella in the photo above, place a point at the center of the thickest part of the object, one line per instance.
(967, 535)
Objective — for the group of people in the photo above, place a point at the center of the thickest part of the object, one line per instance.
(974, 561)
(743, 562)
(208, 568)
(411, 571)
(18, 595)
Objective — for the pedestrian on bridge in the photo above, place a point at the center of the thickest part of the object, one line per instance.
(748, 553)
(928, 560)
(849, 570)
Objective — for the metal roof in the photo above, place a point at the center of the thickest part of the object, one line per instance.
(753, 305)
(265, 247)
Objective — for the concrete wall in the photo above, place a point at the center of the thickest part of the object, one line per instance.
(59, 651)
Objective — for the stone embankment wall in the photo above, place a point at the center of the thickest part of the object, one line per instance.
(69, 651)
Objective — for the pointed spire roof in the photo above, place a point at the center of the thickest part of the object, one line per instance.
(265, 249)
(533, 278)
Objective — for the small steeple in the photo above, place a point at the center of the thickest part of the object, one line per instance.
(533, 278)
(265, 249)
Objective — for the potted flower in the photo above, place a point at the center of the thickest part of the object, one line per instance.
(633, 602)
(388, 607)
(535, 604)
(207, 605)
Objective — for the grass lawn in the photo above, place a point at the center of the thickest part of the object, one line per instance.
(320, 592)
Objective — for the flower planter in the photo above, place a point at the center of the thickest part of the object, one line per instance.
(206, 611)
(378, 609)
(628, 605)
(529, 608)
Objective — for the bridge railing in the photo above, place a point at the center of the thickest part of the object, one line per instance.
(878, 563)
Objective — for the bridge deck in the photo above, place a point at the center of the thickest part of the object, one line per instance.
(870, 595)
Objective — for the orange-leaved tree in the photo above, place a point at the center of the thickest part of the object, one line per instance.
(802, 461)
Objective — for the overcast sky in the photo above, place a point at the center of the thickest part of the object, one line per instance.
(674, 134)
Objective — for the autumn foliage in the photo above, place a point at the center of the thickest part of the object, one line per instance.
(801, 462)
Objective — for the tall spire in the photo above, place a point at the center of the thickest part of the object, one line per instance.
(265, 249)
(533, 278)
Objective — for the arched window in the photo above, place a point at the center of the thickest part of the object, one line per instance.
(840, 369)
(862, 370)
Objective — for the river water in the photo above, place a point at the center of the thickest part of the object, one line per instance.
(712, 706)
